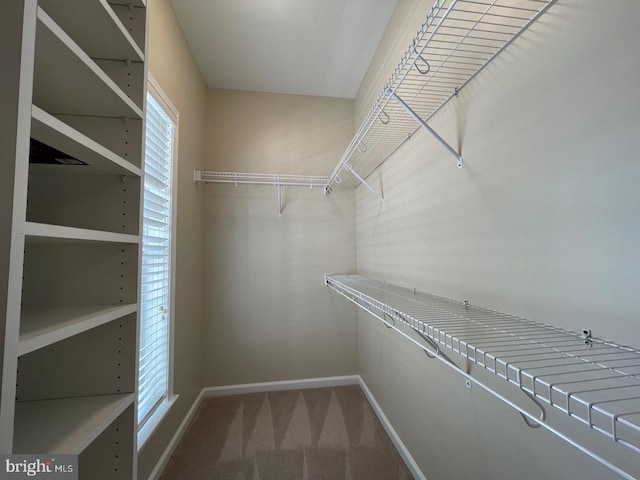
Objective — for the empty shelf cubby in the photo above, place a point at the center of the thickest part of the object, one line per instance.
(63, 276)
(99, 361)
(63, 195)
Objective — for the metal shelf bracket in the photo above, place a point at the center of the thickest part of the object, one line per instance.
(279, 187)
(424, 125)
(362, 180)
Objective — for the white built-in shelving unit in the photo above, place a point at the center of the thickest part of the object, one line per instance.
(75, 156)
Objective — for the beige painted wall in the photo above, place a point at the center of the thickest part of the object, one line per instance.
(542, 222)
(267, 314)
(173, 66)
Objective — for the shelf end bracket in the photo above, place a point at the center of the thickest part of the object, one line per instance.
(423, 124)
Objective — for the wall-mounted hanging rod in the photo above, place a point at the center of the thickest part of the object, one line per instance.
(594, 382)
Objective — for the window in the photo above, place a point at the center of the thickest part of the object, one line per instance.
(154, 375)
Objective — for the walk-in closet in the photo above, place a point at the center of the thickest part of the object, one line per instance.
(303, 240)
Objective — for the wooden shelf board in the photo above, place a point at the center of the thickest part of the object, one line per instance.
(67, 425)
(45, 233)
(135, 3)
(57, 134)
(43, 326)
(100, 34)
(68, 81)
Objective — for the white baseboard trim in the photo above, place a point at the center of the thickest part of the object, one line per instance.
(281, 385)
(288, 385)
(166, 455)
(395, 439)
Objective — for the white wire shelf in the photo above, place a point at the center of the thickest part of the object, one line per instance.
(593, 381)
(273, 179)
(456, 40)
(268, 179)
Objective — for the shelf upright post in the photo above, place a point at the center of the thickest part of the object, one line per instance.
(18, 23)
(423, 124)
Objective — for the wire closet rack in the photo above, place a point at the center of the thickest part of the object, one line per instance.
(592, 381)
(275, 180)
(268, 179)
(457, 39)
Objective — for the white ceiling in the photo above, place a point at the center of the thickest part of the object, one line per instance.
(307, 47)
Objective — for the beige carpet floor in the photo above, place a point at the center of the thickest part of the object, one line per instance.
(314, 434)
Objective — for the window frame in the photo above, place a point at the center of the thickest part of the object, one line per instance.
(145, 431)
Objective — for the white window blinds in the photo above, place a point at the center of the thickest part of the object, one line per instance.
(156, 262)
